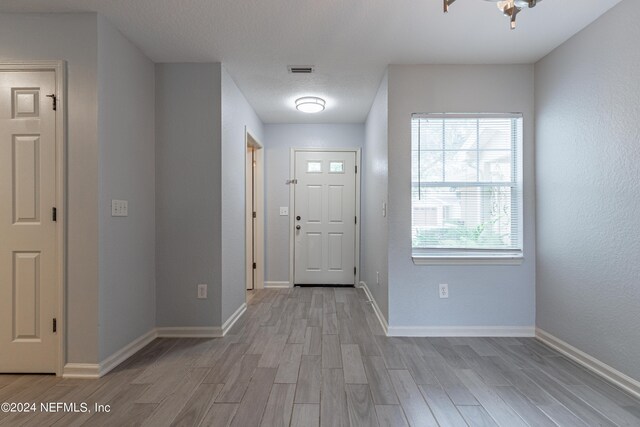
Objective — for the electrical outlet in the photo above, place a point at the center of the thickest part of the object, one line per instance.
(444, 290)
(377, 277)
(119, 208)
(202, 291)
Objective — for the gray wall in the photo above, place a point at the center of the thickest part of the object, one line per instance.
(188, 194)
(279, 139)
(236, 114)
(587, 157)
(126, 164)
(374, 241)
(479, 295)
(71, 37)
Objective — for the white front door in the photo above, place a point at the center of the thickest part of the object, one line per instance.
(325, 218)
(28, 291)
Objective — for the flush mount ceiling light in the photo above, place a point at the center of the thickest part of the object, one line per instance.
(509, 8)
(310, 104)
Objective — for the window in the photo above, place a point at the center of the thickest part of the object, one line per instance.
(466, 190)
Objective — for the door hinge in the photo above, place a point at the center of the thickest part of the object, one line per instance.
(55, 325)
(356, 169)
(54, 98)
(255, 266)
(356, 220)
(54, 214)
(254, 215)
(354, 271)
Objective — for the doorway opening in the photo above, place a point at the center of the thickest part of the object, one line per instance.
(254, 213)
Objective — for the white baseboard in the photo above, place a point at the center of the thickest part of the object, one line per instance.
(276, 285)
(88, 371)
(190, 332)
(127, 351)
(95, 370)
(226, 326)
(461, 331)
(376, 309)
(596, 366)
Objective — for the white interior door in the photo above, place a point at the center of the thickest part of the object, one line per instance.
(28, 291)
(325, 218)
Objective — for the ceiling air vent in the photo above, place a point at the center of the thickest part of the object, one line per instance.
(300, 69)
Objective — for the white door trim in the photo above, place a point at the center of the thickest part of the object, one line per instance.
(60, 70)
(292, 199)
(251, 140)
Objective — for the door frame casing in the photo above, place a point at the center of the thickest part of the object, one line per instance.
(292, 200)
(59, 68)
(251, 140)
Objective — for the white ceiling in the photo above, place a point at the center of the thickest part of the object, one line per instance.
(349, 41)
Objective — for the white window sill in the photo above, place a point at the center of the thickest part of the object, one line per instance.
(451, 259)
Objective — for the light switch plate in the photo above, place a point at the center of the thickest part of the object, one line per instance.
(119, 208)
(284, 210)
(202, 291)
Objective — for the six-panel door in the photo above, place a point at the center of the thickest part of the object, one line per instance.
(28, 297)
(325, 218)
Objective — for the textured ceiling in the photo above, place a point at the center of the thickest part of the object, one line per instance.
(349, 41)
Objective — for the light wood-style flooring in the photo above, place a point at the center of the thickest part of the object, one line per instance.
(317, 356)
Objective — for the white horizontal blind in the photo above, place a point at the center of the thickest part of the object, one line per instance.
(466, 190)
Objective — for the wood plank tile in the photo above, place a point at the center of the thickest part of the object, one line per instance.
(171, 405)
(391, 416)
(298, 331)
(309, 380)
(414, 406)
(272, 352)
(253, 403)
(360, 406)
(158, 391)
(305, 415)
(605, 406)
(237, 380)
(391, 352)
(197, 407)
(379, 381)
(490, 373)
(444, 411)
(333, 405)
(313, 341)
(331, 353)
(352, 364)
(490, 400)
(477, 416)
(329, 324)
(572, 402)
(448, 353)
(229, 357)
(530, 413)
(562, 416)
(220, 415)
(451, 384)
(289, 364)
(419, 368)
(483, 381)
(279, 406)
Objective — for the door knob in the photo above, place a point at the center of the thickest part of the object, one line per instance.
(298, 227)
(298, 218)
